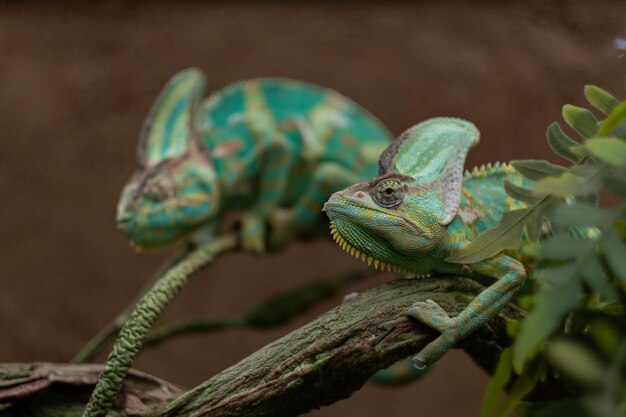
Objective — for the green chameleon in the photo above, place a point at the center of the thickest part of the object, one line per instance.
(272, 149)
(421, 209)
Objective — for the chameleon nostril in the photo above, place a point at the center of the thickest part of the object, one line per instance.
(360, 194)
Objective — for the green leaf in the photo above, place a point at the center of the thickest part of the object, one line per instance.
(537, 169)
(606, 337)
(500, 378)
(561, 408)
(615, 253)
(593, 274)
(610, 150)
(520, 193)
(620, 227)
(560, 143)
(567, 185)
(577, 215)
(581, 120)
(534, 225)
(616, 182)
(506, 235)
(613, 120)
(600, 99)
(620, 131)
(522, 387)
(558, 275)
(562, 247)
(551, 306)
(576, 361)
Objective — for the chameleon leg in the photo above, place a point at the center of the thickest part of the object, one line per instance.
(327, 178)
(510, 275)
(276, 158)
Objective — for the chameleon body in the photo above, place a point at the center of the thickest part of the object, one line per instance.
(421, 209)
(272, 149)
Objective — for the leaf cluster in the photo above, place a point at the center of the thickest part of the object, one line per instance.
(575, 331)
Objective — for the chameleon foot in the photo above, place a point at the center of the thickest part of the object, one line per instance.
(282, 228)
(435, 350)
(431, 314)
(419, 362)
(252, 232)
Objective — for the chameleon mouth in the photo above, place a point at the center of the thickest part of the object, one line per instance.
(345, 245)
(157, 247)
(139, 248)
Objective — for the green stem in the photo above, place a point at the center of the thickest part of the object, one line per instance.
(166, 331)
(145, 313)
(108, 333)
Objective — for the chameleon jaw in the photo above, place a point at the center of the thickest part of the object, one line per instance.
(138, 248)
(345, 245)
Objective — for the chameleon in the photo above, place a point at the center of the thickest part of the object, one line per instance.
(266, 152)
(271, 150)
(419, 210)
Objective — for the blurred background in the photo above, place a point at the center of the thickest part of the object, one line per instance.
(77, 80)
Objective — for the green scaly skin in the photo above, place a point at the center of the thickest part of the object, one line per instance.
(273, 149)
(421, 209)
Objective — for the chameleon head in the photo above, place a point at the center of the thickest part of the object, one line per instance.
(377, 221)
(394, 219)
(164, 204)
(175, 189)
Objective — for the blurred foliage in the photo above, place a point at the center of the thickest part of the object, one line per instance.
(575, 332)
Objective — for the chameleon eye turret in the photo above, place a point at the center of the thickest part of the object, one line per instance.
(159, 188)
(388, 193)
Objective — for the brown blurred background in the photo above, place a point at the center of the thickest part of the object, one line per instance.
(77, 80)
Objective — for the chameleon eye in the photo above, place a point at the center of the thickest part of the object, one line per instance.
(157, 188)
(388, 193)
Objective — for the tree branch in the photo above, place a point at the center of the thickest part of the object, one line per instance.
(50, 389)
(315, 365)
(333, 356)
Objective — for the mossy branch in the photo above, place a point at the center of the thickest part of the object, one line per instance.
(61, 390)
(333, 356)
(320, 363)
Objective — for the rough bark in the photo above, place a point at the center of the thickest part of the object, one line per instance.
(57, 389)
(333, 356)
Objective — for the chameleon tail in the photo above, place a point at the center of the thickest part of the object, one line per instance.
(400, 373)
(145, 313)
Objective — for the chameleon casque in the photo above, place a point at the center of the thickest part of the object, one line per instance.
(273, 149)
(419, 210)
